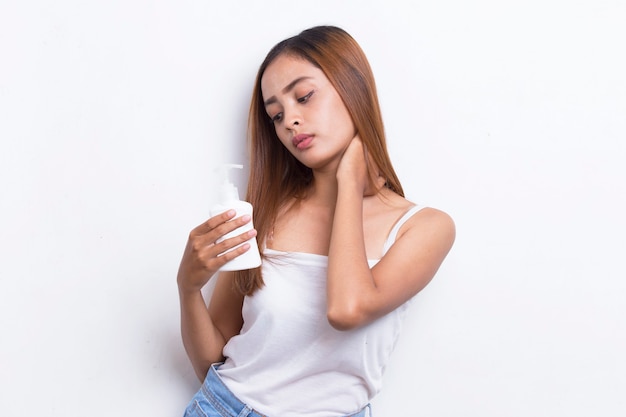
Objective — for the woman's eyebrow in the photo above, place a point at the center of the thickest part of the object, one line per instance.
(285, 90)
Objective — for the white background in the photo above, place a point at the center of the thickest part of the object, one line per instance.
(510, 116)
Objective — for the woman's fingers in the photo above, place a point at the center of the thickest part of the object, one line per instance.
(221, 248)
(210, 246)
(213, 222)
(222, 252)
(217, 227)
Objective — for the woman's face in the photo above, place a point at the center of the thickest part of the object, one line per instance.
(308, 114)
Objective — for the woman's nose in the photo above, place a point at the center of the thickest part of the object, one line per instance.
(293, 118)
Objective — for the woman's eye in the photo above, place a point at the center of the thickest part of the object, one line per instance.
(277, 117)
(305, 98)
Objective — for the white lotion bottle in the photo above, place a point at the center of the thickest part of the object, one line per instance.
(229, 199)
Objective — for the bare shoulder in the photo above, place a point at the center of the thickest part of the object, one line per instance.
(428, 218)
(421, 245)
(430, 224)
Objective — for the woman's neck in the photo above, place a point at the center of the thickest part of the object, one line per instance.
(323, 190)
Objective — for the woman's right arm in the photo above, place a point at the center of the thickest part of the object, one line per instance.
(204, 330)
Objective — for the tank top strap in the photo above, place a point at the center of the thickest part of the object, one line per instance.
(396, 227)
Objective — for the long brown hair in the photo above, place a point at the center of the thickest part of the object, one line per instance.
(275, 175)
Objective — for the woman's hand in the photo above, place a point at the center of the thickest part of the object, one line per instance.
(353, 165)
(200, 259)
(354, 168)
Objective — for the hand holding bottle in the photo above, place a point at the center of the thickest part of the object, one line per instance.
(207, 250)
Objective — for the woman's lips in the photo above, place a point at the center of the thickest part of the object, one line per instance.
(302, 140)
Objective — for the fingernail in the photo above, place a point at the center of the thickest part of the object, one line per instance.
(252, 233)
(246, 218)
(231, 213)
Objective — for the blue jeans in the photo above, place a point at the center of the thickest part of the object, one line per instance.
(214, 399)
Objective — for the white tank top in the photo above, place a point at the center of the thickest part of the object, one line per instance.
(288, 361)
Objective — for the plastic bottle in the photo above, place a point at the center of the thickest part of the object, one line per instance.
(229, 199)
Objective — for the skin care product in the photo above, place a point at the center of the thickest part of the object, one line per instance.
(229, 199)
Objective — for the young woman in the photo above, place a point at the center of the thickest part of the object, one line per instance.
(309, 332)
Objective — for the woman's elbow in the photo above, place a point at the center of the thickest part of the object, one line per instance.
(346, 318)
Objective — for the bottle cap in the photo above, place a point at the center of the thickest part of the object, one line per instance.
(228, 191)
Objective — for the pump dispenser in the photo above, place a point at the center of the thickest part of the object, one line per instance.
(229, 199)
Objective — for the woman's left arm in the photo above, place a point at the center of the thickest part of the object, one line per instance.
(356, 294)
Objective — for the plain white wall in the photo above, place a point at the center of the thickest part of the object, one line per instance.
(510, 116)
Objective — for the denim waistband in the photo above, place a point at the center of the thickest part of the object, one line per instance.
(220, 397)
(218, 394)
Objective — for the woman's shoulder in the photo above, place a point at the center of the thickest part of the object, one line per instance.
(428, 222)
(422, 220)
